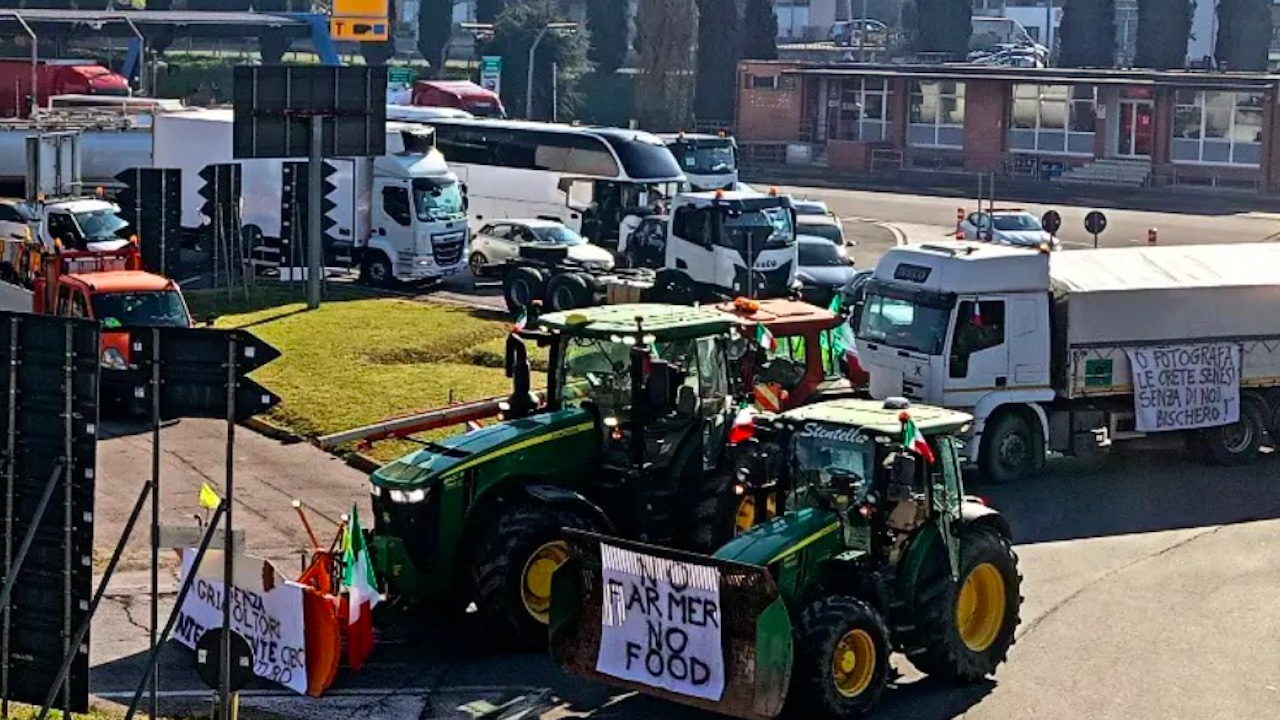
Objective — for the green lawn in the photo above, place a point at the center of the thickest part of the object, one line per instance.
(360, 358)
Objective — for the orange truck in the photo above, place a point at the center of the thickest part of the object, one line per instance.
(104, 281)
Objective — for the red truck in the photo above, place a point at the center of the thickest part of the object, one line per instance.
(459, 94)
(53, 77)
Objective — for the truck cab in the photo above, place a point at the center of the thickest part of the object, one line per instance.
(710, 162)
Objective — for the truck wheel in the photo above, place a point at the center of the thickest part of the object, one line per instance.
(376, 270)
(963, 630)
(1011, 449)
(511, 572)
(568, 291)
(521, 287)
(1239, 442)
(842, 659)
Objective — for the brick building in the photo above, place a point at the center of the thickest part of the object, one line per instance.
(1122, 126)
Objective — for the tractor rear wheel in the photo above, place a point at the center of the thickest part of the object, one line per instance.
(842, 659)
(511, 572)
(965, 628)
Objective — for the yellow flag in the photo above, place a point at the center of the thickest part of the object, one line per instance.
(209, 498)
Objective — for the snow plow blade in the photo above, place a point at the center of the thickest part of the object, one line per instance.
(688, 628)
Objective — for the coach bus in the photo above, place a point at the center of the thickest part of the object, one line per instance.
(584, 177)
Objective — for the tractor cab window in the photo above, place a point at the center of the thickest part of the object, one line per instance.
(596, 370)
(824, 453)
(784, 365)
(948, 488)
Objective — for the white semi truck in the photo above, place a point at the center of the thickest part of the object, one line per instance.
(1070, 351)
(402, 216)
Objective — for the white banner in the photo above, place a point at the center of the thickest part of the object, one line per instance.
(268, 614)
(661, 623)
(1185, 386)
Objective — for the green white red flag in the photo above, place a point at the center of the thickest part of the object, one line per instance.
(766, 338)
(362, 593)
(913, 440)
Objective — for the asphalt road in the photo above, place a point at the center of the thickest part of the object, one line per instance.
(14, 298)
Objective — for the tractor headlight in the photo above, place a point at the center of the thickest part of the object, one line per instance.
(113, 359)
(375, 491)
(408, 496)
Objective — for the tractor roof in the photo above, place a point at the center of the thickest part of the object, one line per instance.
(881, 417)
(664, 322)
(782, 316)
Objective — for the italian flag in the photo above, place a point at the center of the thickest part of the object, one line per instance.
(913, 440)
(362, 593)
(766, 338)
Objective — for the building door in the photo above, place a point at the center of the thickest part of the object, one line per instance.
(1137, 128)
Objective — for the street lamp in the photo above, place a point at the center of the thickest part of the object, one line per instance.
(528, 91)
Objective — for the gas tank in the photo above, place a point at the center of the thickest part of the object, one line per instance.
(103, 154)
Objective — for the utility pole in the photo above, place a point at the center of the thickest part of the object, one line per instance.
(315, 213)
(528, 92)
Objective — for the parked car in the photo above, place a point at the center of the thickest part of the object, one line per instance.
(810, 207)
(497, 242)
(825, 268)
(17, 221)
(823, 226)
(1007, 227)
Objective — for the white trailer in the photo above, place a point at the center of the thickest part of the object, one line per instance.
(1071, 351)
(402, 216)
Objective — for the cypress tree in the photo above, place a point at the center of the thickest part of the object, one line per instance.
(1244, 34)
(1087, 35)
(759, 30)
(1164, 27)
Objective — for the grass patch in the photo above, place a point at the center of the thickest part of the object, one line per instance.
(361, 358)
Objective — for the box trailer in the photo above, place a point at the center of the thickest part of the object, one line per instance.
(1071, 351)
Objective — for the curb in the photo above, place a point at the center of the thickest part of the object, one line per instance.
(363, 463)
(275, 432)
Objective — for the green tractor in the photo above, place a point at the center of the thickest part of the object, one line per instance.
(874, 551)
(631, 440)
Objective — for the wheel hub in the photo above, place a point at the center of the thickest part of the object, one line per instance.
(980, 607)
(853, 664)
(1237, 437)
(536, 578)
(1013, 450)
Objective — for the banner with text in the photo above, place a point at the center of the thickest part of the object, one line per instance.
(268, 614)
(661, 623)
(1183, 387)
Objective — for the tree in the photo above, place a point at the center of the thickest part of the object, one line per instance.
(514, 32)
(487, 11)
(435, 26)
(607, 23)
(1087, 35)
(1164, 26)
(1244, 34)
(942, 26)
(667, 32)
(760, 30)
(719, 48)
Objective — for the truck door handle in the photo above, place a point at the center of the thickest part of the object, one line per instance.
(1001, 380)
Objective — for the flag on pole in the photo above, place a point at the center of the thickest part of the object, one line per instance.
(913, 440)
(208, 497)
(766, 338)
(362, 593)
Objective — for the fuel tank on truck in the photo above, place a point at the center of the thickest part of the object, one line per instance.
(103, 153)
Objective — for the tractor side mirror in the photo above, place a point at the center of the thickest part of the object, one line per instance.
(661, 386)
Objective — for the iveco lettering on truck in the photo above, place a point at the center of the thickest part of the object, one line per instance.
(1071, 351)
(401, 216)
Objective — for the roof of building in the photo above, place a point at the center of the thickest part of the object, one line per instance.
(122, 281)
(1044, 76)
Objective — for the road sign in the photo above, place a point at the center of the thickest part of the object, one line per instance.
(193, 371)
(491, 73)
(1095, 222)
(360, 8)
(363, 29)
(1052, 222)
(401, 75)
(209, 659)
(273, 105)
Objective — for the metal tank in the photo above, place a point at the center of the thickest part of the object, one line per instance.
(103, 153)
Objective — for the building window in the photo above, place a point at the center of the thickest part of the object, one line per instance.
(937, 114)
(1053, 119)
(762, 82)
(858, 109)
(1218, 128)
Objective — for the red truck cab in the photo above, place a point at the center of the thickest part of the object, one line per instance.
(459, 94)
(54, 77)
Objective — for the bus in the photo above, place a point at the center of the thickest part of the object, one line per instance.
(709, 161)
(588, 178)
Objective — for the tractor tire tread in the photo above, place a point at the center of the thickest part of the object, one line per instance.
(822, 624)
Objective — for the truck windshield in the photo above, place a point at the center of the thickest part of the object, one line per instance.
(706, 156)
(162, 308)
(918, 325)
(823, 451)
(437, 199)
(101, 225)
(759, 229)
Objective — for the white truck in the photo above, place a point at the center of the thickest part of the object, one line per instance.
(401, 217)
(1070, 351)
(710, 162)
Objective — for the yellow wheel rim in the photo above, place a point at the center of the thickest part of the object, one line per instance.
(536, 587)
(853, 664)
(980, 608)
(746, 513)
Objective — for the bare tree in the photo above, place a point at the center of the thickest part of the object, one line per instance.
(667, 32)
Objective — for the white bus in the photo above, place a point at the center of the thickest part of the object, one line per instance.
(709, 161)
(584, 177)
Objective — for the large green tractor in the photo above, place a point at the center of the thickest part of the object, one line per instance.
(631, 440)
(877, 549)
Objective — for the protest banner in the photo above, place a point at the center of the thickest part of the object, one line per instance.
(661, 623)
(1184, 387)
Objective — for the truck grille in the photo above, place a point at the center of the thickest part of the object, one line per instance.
(447, 247)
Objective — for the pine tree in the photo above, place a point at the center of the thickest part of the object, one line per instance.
(1164, 27)
(607, 23)
(759, 30)
(488, 11)
(1087, 35)
(719, 46)
(943, 26)
(435, 25)
(1244, 34)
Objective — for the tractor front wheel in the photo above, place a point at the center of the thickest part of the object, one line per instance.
(967, 627)
(511, 572)
(842, 659)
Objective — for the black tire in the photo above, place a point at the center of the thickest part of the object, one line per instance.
(1238, 443)
(499, 568)
(476, 263)
(568, 291)
(376, 270)
(521, 287)
(833, 631)
(672, 288)
(936, 646)
(1275, 423)
(1012, 449)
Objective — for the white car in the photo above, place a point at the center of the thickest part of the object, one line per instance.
(498, 242)
(823, 226)
(1007, 227)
